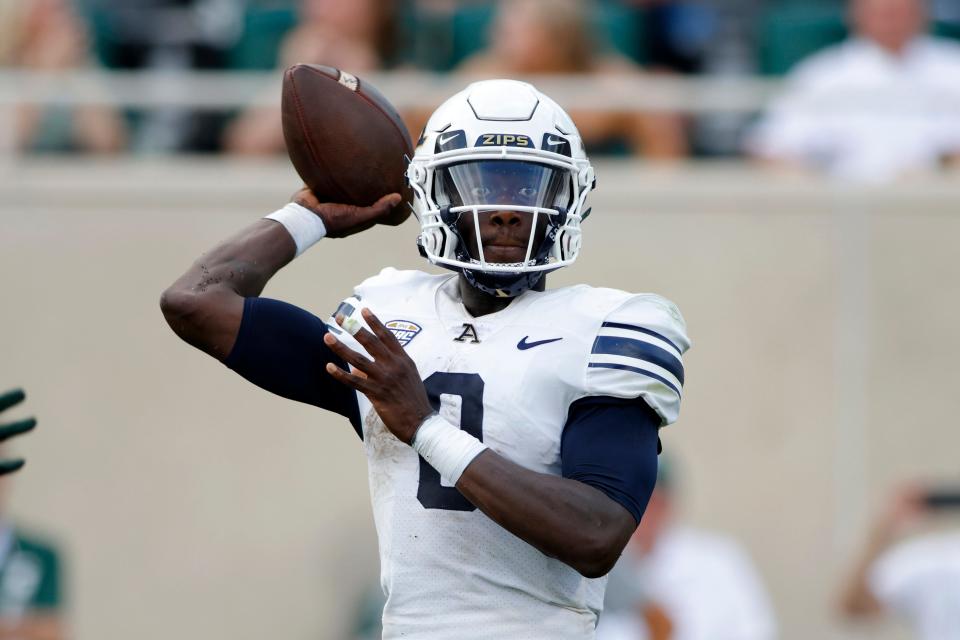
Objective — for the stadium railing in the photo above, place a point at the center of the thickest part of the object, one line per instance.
(232, 90)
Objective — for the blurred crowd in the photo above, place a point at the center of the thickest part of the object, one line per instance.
(676, 581)
(869, 89)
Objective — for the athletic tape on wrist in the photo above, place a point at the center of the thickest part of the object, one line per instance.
(448, 449)
(304, 226)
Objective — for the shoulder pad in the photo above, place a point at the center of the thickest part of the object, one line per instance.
(638, 352)
(379, 292)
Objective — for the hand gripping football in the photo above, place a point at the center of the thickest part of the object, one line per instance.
(344, 138)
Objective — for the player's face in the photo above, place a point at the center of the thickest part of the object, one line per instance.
(504, 234)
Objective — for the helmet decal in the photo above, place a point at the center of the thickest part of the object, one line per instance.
(504, 140)
(556, 144)
(450, 140)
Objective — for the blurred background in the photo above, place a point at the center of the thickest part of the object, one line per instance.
(788, 172)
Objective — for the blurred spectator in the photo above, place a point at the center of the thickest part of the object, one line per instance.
(541, 37)
(918, 579)
(356, 36)
(30, 597)
(47, 36)
(677, 33)
(171, 36)
(30, 603)
(882, 104)
(682, 583)
(367, 620)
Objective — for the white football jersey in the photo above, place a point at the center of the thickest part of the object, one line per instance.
(509, 379)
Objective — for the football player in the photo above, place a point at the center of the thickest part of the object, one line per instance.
(511, 431)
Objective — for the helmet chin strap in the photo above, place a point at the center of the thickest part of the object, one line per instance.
(501, 285)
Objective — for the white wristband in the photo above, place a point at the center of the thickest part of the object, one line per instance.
(448, 449)
(304, 226)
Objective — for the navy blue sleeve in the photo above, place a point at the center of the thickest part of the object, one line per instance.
(280, 348)
(611, 445)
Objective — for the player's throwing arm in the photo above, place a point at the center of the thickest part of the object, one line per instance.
(205, 305)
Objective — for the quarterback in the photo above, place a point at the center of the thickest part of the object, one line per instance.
(511, 431)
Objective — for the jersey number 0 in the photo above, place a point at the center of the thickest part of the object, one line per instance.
(469, 386)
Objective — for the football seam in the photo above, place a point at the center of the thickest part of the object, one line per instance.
(386, 115)
(392, 123)
(309, 137)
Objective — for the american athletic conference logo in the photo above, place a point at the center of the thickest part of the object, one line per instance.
(404, 330)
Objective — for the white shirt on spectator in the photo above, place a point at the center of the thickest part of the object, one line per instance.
(704, 582)
(860, 112)
(920, 580)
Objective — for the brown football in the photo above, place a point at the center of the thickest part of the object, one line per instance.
(344, 138)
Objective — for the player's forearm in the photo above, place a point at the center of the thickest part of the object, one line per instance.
(205, 305)
(857, 599)
(244, 263)
(564, 519)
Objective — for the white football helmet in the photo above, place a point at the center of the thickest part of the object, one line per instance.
(500, 145)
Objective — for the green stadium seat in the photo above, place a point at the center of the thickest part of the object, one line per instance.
(263, 32)
(103, 40)
(450, 41)
(470, 27)
(793, 31)
(623, 30)
(947, 30)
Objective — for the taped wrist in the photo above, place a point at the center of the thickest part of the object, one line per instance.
(448, 449)
(304, 226)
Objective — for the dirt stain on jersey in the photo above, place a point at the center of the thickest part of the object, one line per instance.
(384, 452)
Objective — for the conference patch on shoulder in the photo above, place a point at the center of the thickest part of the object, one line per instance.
(404, 330)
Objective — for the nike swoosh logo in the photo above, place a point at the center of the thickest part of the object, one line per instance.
(552, 142)
(523, 345)
(445, 139)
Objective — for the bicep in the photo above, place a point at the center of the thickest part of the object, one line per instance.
(280, 348)
(611, 445)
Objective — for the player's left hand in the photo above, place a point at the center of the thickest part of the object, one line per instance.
(7, 400)
(390, 380)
